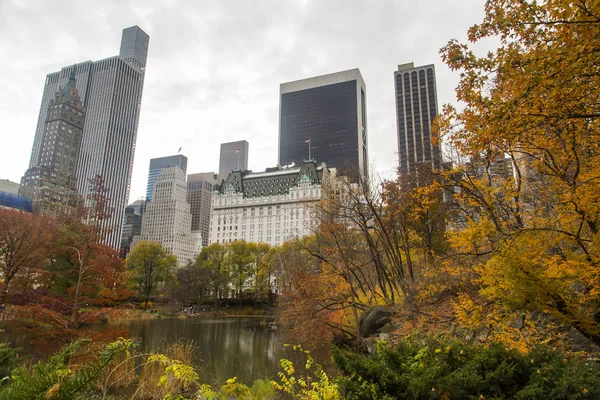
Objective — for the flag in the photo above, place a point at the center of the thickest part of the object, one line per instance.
(179, 149)
(307, 140)
(237, 150)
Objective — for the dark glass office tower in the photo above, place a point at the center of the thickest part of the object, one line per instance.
(330, 111)
(416, 107)
(158, 164)
(111, 93)
(132, 225)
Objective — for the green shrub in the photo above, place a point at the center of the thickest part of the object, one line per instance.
(8, 361)
(438, 369)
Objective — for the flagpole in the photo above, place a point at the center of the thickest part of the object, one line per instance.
(309, 149)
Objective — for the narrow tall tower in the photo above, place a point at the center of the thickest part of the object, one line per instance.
(325, 118)
(51, 182)
(199, 195)
(111, 92)
(416, 107)
(233, 156)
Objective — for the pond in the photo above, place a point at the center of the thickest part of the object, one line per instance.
(242, 347)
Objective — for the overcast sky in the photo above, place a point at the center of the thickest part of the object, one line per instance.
(214, 67)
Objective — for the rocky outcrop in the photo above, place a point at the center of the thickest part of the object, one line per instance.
(373, 320)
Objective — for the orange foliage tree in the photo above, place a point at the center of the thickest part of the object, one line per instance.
(531, 238)
(24, 246)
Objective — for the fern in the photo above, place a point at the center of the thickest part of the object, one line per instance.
(54, 379)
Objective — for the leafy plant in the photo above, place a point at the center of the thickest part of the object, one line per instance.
(434, 368)
(316, 384)
(58, 378)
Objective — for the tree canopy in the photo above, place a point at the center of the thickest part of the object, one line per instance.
(150, 265)
(532, 238)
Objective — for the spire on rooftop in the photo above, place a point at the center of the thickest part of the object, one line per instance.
(69, 93)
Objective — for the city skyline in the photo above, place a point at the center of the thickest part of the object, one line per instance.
(234, 92)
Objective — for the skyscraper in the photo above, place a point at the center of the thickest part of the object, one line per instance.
(51, 183)
(234, 155)
(167, 219)
(132, 225)
(416, 107)
(158, 164)
(199, 195)
(111, 92)
(328, 114)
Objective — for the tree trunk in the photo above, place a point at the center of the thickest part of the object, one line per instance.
(75, 315)
(146, 298)
(4, 293)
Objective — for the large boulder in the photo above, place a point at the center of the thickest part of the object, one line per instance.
(373, 320)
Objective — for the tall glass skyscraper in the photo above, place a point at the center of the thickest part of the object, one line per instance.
(416, 107)
(329, 114)
(111, 91)
(158, 164)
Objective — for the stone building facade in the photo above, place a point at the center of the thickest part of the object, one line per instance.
(167, 218)
(270, 207)
(51, 182)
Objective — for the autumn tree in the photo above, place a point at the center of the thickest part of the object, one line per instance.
(24, 245)
(83, 267)
(194, 282)
(149, 265)
(263, 270)
(532, 238)
(241, 266)
(213, 257)
(305, 293)
(97, 209)
(374, 245)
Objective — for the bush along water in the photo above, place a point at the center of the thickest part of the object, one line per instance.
(414, 368)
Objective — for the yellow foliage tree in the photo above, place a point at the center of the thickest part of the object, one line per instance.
(534, 236)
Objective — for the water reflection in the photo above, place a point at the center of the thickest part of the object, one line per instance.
(227, 347)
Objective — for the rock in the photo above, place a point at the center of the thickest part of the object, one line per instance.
(388, 328)
(519, 323)
(373, 320)
(581, 343)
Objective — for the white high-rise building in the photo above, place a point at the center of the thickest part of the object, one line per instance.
(269, 207)
(167, 219)
(111, 92)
